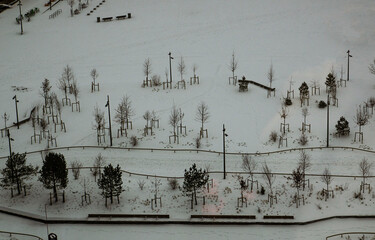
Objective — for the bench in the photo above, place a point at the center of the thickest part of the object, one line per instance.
(277, 217)
(225, 216)
(107, 19)
(121, 17)
(104, 215)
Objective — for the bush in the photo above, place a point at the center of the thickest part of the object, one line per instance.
(76, 168)
(173, 183)
(141, 184)
(262, 190)
(134, 141)
(322, 104)
(155, 80)
(288, 102)
(273, 136)
(197, 142)
(303, 140)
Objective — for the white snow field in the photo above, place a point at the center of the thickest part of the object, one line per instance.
(302, 39)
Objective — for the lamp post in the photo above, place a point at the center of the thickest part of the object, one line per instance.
(224, 135)
(10, 142)
(328, 103)
(16, 101)
(45, 210)
(109, 118)
(20, 4)
(170, 70)
(349, 56)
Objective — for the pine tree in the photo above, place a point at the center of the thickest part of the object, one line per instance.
(331, 82)
(54, 173)
(194, 179)
(342, 125)
(16, 171)
(304, 89)
(111, 182)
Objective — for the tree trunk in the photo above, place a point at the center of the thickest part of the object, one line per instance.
(55, 191)
(18, 186)
(195, 196)
(111, 197)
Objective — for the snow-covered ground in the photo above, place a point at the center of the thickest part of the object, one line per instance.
(302, 39)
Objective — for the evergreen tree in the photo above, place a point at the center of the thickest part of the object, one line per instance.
(194, 179)
(298, 177)
(54, 173)
(331, 82)
(16, 171)
(304, 89)
(342, 124)
(111, 182)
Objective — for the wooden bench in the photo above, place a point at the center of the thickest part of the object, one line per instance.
(104, 215)
(121, 17)
(224, 216)
(107, 19)
(277, 217)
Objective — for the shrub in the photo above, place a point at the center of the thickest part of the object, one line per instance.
(262, 190)
(173, 183)
(288, 102)
(322, 104)
(76, 168)
(141, 184)
(133, 141)
(273, 136)
(303, 140)
(155, 80)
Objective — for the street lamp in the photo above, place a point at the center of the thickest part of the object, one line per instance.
(109, 118)
(224, 135)
(10, 142)
(349, 56)
(20, 4)
(328, 103)
(16, 101)
(170, 70)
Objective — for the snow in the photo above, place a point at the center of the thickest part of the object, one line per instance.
(302, 39)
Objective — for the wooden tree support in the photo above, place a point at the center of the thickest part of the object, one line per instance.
(289, 94)
(250, 182)
(201, 133)
(327, 192)
(192, 200)
(67, 101)
(146, 81)
(146, 130)
(306, 127)
(44, 133)
(94, 86)
(100, 136)
(364, 185)
(283, 127)
(360, 137)
(241, 200)
(304, 183)
(35, 136)
(182, 83)
(315, 89)
(36, 119)
(78, 106)
(154, 122)
(62, 126)
(51, 140)
(127, 122)
(271, 198)
(339, 82)
(86, 198)
(282, 140)
(53, 117)
(209, 182)
(298, 200)
(180, 128)
(335, 101)
(166, 84)
(154, 202)
(269, 93)
(194, 80)
(175, 137)
(234, 80)
(121, 132)
(304, 99)
(46, 109)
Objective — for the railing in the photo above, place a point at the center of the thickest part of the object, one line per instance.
(351, 233)
(21, 234)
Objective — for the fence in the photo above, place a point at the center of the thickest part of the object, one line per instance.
(55, 14)
(351, 233)
(21, 234)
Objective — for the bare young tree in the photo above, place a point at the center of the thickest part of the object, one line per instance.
(304, 164)
(202, 115)
(364, 168)
(99, 119)
(57, 104)
(62, 84)
(124, 112)
(75, 90)
(147, 68)
(271, 75)
(249, 165)
(46, 87)
(195, 67)
(181, 116)
(297, 176)
(174, 119)
(268, 177)
(371, 68)
(68, 76)
(233, 64)
(181, 67)
(76, 168)
(94, 74)
(99, 162)
(361, 118)
(326, 177)
(283, 114)
(147, 116)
